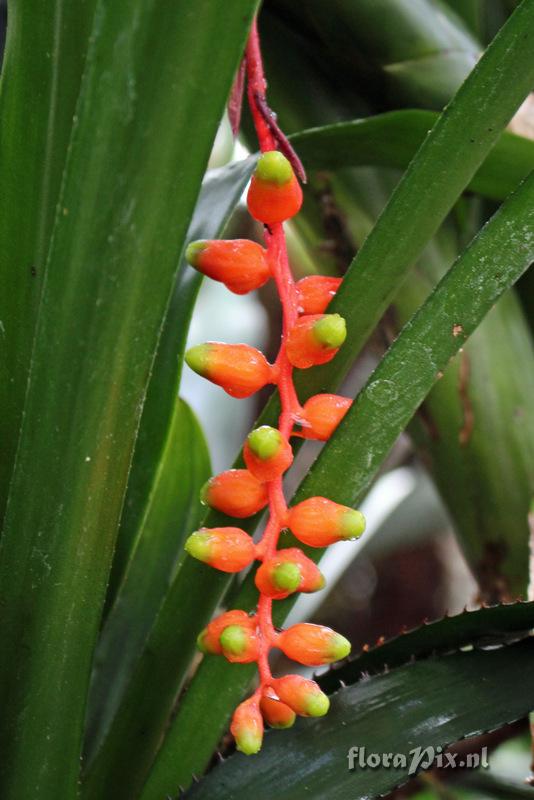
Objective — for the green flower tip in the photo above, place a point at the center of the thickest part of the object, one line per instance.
(330, 331)
(197, 358)
(352, 524)
(201, 642)
(321, 583)
(317, 704)
(193, 251)
(249, 743)
(204, 493)
(198, 545)
(283, 725)
(265, 442)
(273, 167)
(287, 576)
(339, 647)
(233, 640)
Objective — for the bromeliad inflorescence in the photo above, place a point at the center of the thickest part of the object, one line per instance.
(309, 337)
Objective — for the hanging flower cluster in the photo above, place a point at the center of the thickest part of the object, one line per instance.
(310, 336)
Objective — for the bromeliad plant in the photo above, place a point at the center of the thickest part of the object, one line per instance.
(309, 337)
(107, 121)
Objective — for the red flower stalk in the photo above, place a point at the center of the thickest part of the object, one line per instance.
(314, 338)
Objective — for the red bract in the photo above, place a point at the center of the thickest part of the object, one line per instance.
(274, 194)
(235, 492)
(321, 415)
(267, 453)
(319, 522)
(313, 645)
(247, 727)
(288, 571)
(275, 713)
(209, 639)
(227, 549)
(315, 339)
(302, 695)
(237, 368)
(315, 293)
(238, 263)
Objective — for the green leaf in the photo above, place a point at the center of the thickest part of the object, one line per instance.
(420, 57)
(443, 166)
(342, 472)
(484, 627)
(476, 437)
(392, 139)
(139, 149)
(220, 193)
(428, 704)
(135, 733)
(172, 511)
(40, 81)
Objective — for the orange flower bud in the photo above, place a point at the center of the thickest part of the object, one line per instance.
(239, 644)
(302, 695)
(313, 645)
(323, 413)
(315, 339)
(267, 453)
(240, 264)
(286, 572)
(247, 727)
(315, 293)
(319, 522)
(275, 713)
(274, 194)
(235, 492)
(239, 369)
(227, 549)
(209, 639)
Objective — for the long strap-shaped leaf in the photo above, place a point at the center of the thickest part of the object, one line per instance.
(219, 195)
(392, 139)
(40, 82)
(154, 466)
(429, 704)
(487, 626)
(157, 78)
(347, 464)
(170, 513)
